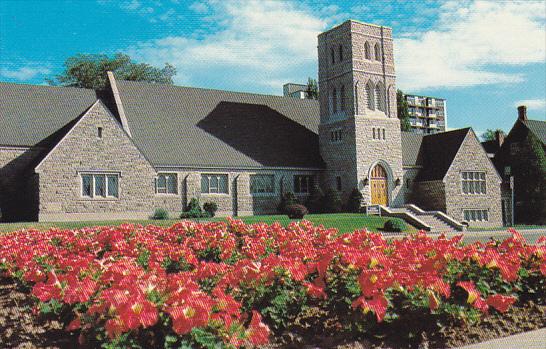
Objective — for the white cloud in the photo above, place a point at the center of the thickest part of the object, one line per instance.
(470, 42)
(532, 104)
(24, 73)
(199, 7)
(256, 42)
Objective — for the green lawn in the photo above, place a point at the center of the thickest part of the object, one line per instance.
(344, 222)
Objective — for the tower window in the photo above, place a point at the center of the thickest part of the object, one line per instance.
(340, 53)
(99, 132)
(342, 98)
(373, 132)
(369, 95)
(333, 55)
(379, 105)
(334, 100)
(377, 52)
(367, 53)
(384, 134)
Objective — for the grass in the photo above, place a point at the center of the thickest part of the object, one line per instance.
(344, 222)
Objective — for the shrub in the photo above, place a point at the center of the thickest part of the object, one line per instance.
(354, 203)
(193, 210)
(160, 213)
(287, 199)
(331, 202)
(296, 211)
(210, 208)
(315, 201)
(394, 225)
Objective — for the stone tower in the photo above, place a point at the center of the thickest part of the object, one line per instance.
(359, 130)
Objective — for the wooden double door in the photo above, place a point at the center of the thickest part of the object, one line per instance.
(379, 186)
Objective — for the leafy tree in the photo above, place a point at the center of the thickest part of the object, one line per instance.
(89, 71)
(402, 111)
(312, 89)
(332, 202)
(530, 181)
(490, 135)
(315, 201)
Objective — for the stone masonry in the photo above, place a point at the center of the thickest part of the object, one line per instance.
(81, 150)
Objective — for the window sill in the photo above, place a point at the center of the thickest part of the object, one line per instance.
(99, 199)
(214, 194)
(262, 195)
(166, 194)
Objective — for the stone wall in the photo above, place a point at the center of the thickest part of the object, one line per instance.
(17, 194)
(430, 196)
(387, 152)
(239, 201)
(81, 150)
(472, 157)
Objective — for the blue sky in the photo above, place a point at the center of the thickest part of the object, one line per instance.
(484, 57)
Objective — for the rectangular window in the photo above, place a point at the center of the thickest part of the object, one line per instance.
(166, 183)
(100, 185)
(214, 183)
(262, 184)
(303, 184)
(476, 215)
(373, 132)
(338, 183)
(383, 133)
(335, 136)
(473, 182)
(99, 132)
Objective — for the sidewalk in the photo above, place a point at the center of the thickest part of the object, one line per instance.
(527, 340)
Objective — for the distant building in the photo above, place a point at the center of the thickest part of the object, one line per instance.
(295, 90)
(428, 115)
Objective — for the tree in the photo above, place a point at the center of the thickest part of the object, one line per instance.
(89, 71)
(402, 111)
(312, 89)
(529, 167)
(490, 135)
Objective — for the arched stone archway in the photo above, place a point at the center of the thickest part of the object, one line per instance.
(380, 179)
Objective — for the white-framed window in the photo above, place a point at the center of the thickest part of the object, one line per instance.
(212, 183)
(476, 215)
(473, 182)
(262, 184)
(100, 185)
(166, 183)
(303, 184)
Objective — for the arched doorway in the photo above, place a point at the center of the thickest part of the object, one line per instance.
(379, 186)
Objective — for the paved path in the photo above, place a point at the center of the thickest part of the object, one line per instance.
(527, 340)
(531, 235)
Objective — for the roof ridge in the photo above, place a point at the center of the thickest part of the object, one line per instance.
(305, 100)
(47, 86)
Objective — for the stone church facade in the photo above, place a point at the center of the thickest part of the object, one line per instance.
(119, 153)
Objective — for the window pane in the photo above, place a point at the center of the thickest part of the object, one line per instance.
(172, 184)
(485, 215)
(482, 176)
(100, 185)
(113, 186)
(204, 184)
(87, 183)
(161, 181)
(223, 184)
(466, 215)
(465, 175)
(213, 184)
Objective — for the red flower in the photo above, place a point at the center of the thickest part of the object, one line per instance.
(378, 304)
(258, 332)
(469, 287)
(500, 302)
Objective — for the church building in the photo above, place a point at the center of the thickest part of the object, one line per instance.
(119, 153)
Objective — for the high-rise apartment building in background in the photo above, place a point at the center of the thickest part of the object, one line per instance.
(428, 115)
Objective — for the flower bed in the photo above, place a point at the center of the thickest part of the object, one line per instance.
(235, 285)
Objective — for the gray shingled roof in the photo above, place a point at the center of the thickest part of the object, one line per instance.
(175, 125)
(438, 151)
(30, 113)
(538, 128)
(411, 148)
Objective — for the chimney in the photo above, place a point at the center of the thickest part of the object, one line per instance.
(499, 138)
(522, 113)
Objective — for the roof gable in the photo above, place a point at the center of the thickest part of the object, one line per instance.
(30, 114)
(182, 126)
(438, 152)
(538, 128)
